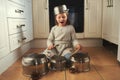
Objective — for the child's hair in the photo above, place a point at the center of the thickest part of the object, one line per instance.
(67, 23)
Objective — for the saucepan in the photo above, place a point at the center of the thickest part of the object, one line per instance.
(80, 62)
(59, 62)
(35, 65)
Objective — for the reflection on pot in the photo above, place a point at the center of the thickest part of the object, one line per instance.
(80, 62)
(58, 63)
(34, 65)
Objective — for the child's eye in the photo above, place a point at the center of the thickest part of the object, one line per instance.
(59, 17)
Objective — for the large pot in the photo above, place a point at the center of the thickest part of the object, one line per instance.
(34, 64)
(58, 63)
(80, 62)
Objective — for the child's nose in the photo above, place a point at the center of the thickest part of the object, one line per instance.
(62, 18)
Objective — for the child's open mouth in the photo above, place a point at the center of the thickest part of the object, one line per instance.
(61, 22)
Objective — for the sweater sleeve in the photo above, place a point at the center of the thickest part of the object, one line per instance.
(50, 37)
(73, 36)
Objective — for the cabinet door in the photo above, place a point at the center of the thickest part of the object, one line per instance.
(16, 25)
(4, 47)
(41, 18)
(115, 20)
(110, 21)
(93, 10)
(106, 25)
(15, 10)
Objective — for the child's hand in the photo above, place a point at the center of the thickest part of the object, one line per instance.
(50, 47)
(78, 47)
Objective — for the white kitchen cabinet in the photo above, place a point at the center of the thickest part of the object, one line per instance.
(15, 10)
(110, 21)
(21, 2)
(29, 19)
(41, 18)
(4, 44)
(19, 19)
(16, 25)
(92, 22)
(19, 39)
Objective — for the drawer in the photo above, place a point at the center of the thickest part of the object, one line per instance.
(16, 25)
(14, 10)
(21, 2)
(15, 41)
(19, 39)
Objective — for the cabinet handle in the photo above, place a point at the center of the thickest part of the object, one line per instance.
(20, 26)
(86, 4)
(21, 40)
(46, 4)
(24, 38)
(108, 1)
(111, 3)
(19, 11)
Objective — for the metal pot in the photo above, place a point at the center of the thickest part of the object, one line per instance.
(60, 9)
(80, 62)
(58, 63)
(34, 64)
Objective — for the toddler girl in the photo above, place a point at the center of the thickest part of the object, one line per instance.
(62, 38)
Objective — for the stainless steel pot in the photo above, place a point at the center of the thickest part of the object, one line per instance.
(57, 63)
(60, 9)
(80, 62)
(34, 64)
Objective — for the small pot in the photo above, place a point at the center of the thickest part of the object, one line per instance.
(34, 64)
(60, 9)
(80, 62)
(58, 63)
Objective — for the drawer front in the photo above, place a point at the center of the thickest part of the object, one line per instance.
(21, 2)
(15, 41)
(19, 39)
(15, 10)
(16, 25)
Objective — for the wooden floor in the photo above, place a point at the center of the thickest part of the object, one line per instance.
(104, 66)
